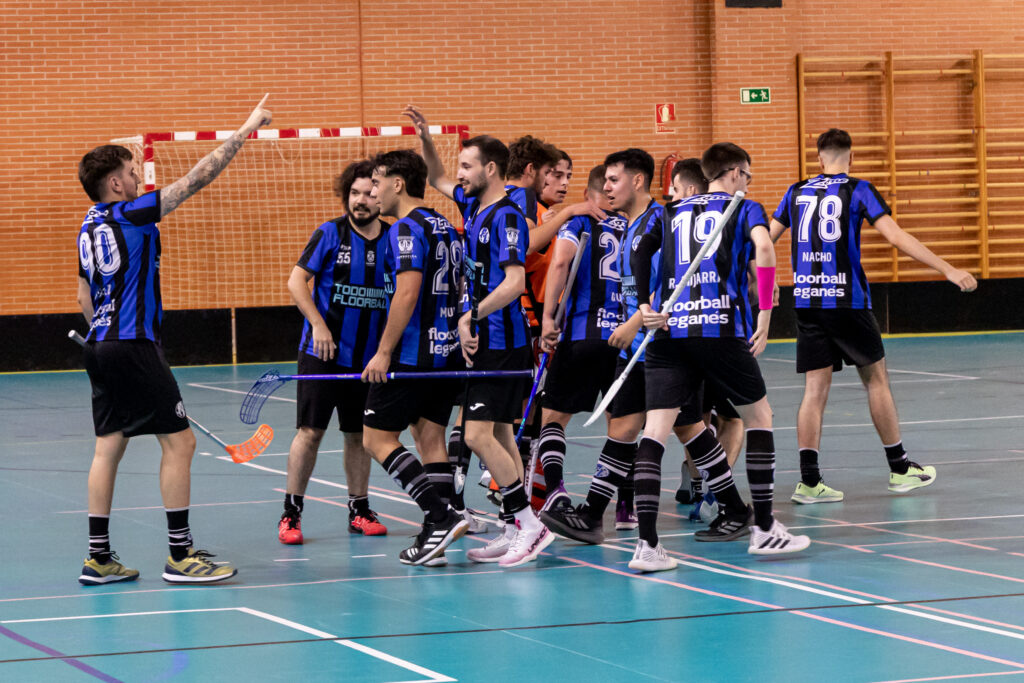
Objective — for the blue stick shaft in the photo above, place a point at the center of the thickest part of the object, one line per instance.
(430, 374)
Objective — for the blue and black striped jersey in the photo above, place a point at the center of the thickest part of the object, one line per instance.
(425, 241)
(496, 236)
(825, 214)
(119, 256)
(594, 307)
(350, 289)
(637, 229)
(715, 301)
(525, 198)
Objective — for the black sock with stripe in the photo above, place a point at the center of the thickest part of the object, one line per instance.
(408, 473)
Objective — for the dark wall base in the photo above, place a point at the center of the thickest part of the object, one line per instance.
(271, 334)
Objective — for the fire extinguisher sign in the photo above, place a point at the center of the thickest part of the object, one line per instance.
(664, 117)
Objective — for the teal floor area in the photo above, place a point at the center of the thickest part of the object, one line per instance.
(926, 586)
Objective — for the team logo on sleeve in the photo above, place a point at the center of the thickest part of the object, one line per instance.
(484, 236)
(405, 245)
(512, 234)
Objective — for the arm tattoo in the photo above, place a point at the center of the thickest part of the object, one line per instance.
(201, 175)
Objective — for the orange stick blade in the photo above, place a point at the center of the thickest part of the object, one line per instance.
(244, 452)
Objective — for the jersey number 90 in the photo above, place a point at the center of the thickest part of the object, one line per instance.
(99, 252)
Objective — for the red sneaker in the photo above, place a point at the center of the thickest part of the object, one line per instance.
(289, 530)
(366, 523)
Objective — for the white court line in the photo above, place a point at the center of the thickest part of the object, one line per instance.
(836, 596)
(904, 372)
(858, 385)
(362, 556)
(325, 482)
(432, 676)
(294, 559)
(864, 424)
(237, 391)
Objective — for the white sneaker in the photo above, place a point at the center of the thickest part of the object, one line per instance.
(648, 559)
(439, 561)
(496, 548)
(526, 545)
(476, 524)
(775, 541)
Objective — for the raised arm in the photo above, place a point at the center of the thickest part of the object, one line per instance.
(542, 234)
(210, 166)
(435, 167)
(912, 247)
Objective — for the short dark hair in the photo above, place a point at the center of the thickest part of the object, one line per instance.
(691, 173)
(530, 150)
(595, 181)
(490, 149)
(634, 160)
(721, 157)
(99, 163)
(407, 165)
(835, 139)
(564, 156)
(343, 183)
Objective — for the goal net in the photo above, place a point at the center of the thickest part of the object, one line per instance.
(234, 243)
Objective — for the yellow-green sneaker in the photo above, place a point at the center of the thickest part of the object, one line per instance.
(915, 478)
(196, 567)
(95, 574)
(821, 493)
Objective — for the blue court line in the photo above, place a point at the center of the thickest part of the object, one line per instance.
(81, 666)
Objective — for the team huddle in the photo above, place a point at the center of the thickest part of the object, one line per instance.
(393, 287)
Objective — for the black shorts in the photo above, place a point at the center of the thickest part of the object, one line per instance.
(580, 371)
(676, 368)
(133, 390)
(713, 401)
(499, 399)
(318, 399)
(829, 337)
(630, 398)
(398, 403)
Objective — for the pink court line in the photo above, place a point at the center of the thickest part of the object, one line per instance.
(879, 598)
(859, 549)
(957, 677)
(808, 615)
(906, 533)
(986, 538)
(161, 507)
(956, 569)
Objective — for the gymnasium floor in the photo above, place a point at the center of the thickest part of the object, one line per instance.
(919, 587)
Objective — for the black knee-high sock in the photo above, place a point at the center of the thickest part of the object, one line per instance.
(613, 466)
(179, 536)
(810, 475)
(458, 459)
(99, 537)
(441, 478)
(761, 474)
(897, 457)
(628, 488)
(408, 473)
(648, 488)
(709, 455)
(552, 454)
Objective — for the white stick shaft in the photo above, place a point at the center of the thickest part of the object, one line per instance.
(667, 306)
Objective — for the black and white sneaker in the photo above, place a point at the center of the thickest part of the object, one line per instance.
(727, 526)
(434, 538)
(775, 541)
(575, 523)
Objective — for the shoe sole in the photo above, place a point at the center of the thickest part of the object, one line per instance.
(626, 526)
(591, 538)
(484, 560)
(178, 578)
(807, 500)
(284, 542)
(723, 538)
(544, 542)
(903, 488)
(367, 533)
(641, 566)
(791, 548)
(103, 580)
(455, 533)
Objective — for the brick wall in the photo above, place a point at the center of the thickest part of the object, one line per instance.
(585, 76)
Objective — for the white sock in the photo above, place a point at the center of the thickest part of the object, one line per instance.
(528, 520)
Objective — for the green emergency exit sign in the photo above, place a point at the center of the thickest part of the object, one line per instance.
(755, 95)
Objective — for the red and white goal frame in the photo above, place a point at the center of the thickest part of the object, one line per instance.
(234, 243)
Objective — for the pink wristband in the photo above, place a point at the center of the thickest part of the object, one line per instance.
(765, 287)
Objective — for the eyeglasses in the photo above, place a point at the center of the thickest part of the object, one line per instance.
(745, 174)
